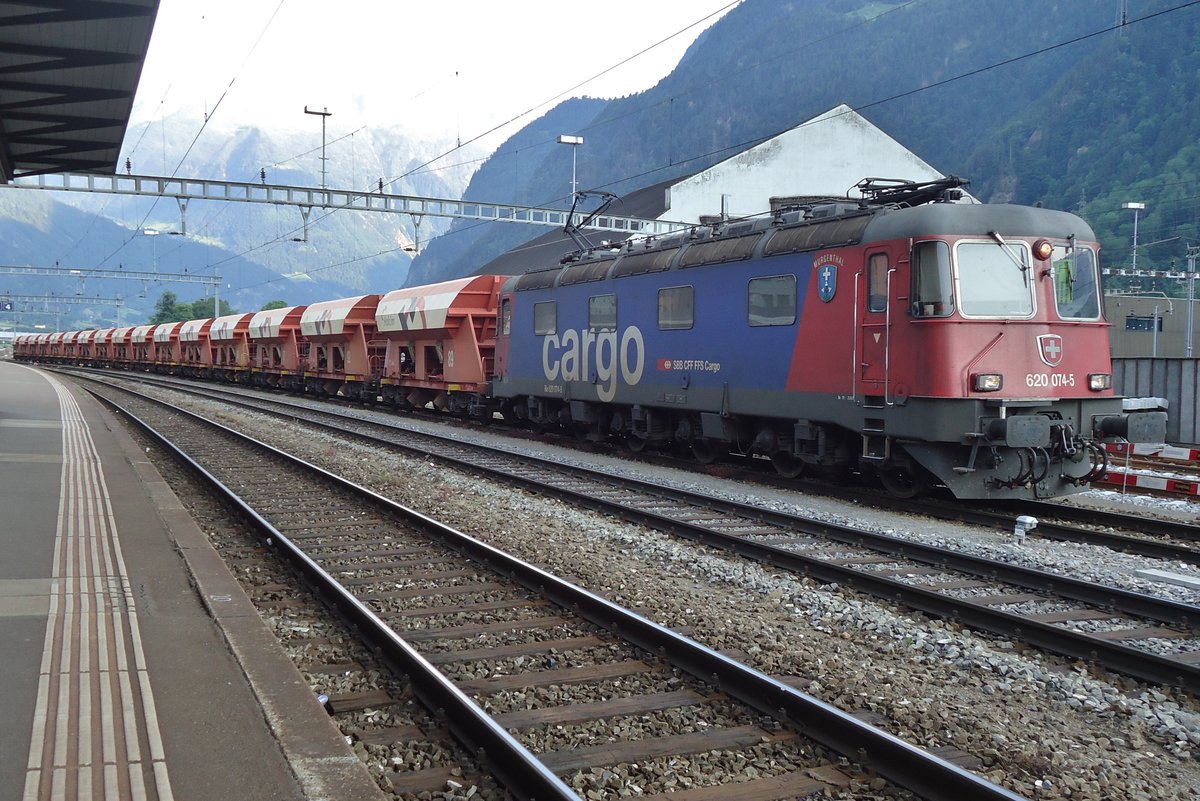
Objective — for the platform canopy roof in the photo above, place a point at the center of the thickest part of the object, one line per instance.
(68, 73)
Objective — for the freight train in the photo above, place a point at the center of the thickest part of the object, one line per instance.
(912, 336)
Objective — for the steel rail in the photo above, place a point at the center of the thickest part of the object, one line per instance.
(909, 766)
(1005, 521)
(1148, 525)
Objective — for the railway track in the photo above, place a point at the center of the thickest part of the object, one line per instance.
(474, 628)
(1132, 533)
(1150, 639)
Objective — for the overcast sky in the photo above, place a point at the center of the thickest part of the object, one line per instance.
(457, 68)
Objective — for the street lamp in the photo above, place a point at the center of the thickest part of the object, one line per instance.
(322, 115)
(1136, 208)
(1192, 252)
(574, 142)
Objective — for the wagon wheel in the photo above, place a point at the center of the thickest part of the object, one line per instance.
(901, 482)
(787, 465)
(635, 443)
(703, 451)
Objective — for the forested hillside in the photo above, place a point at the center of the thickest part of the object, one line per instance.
(1020, 97)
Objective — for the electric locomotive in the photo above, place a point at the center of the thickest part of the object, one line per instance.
(914, 335)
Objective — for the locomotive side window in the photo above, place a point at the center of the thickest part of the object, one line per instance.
(506, 317)
(772, 300)
(545, 317)
(676, 308)
(933, 286)
(1076, 290)
(990, 284)
(877, 275)
(602, 313)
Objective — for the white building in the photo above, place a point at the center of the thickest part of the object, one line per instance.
(823, 157)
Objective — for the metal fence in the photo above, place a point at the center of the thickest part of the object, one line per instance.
(1177, 380)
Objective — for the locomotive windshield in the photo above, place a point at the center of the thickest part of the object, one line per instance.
(1076, 290)
(988, 283)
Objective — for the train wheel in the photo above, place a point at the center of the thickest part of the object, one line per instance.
(787, 465)
(703, 451)
(636, 444)
(900, 482)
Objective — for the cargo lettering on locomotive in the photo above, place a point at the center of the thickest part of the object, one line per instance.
(573, 356)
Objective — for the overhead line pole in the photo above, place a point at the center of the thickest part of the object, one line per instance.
(323, 115)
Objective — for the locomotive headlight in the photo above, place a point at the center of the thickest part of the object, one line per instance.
(1042, 249)
(987, 382)
(1099, 381)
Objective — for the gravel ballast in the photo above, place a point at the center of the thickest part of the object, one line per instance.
(1043, 728)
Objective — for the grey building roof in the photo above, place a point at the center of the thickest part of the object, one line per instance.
(68, 73)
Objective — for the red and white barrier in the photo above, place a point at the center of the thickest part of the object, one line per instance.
(1172, 452)
(1144, 482)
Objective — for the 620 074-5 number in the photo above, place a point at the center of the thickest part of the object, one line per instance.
(1049, 379)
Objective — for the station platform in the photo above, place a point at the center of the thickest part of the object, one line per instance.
(134, 666)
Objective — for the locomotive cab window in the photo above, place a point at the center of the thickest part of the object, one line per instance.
(877, 282)
(676, 308)
(545, 317)
(602, 313)
(932, 284)
(772, 301)
(1076, 289)
(506, 316)
(992, 281)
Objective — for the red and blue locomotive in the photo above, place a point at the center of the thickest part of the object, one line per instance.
(915, 335)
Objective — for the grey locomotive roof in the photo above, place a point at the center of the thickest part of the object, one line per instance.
(818, 228)
(948, 219)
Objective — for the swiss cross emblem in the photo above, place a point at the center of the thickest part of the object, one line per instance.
(1050, 348)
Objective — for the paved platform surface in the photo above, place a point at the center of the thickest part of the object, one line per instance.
(134, 665)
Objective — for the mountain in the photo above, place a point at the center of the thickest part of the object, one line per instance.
(1019, 97)
(1034, 101)
(253, 247)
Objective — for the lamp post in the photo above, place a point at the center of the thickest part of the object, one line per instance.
(1158, 321)
(323, 115)
(1192, 252)
(574, 142)
(1136, 208)
(1154, 348)
(152, 233)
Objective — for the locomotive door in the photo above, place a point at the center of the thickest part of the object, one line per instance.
(874, 335)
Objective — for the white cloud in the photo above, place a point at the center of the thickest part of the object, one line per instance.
(432, 67)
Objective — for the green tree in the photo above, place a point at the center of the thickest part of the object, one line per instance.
(168, 309)
(274, 304)
(203, 308)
